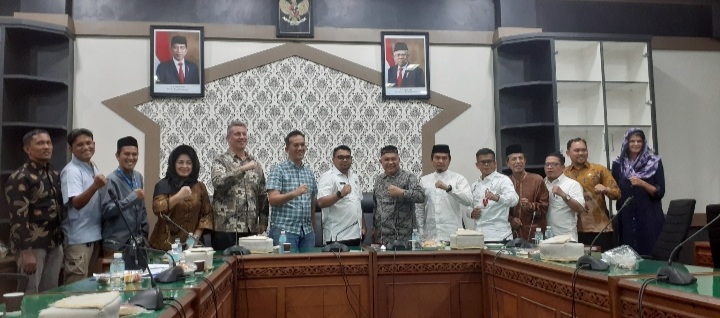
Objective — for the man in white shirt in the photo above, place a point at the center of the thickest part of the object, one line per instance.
(339, 196)
(493, 196)
(566, 197)
(447, 196)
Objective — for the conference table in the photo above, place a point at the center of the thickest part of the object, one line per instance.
(453, 283)
(516, 285)
(195, 295)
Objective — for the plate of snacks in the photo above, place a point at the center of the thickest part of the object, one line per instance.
(188, 268)
(430, 245)
(132, 276)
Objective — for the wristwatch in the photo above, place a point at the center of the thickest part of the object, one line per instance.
(567, 198)
(339, 195)
(449, 189)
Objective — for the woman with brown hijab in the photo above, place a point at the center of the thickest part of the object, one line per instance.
(181, 197)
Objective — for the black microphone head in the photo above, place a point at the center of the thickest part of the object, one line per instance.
(336, 247)
(519, 243)
(170, 275)
(111, 193)
(236, 250)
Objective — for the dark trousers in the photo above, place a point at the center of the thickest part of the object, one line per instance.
(223, 240)
(606, 241)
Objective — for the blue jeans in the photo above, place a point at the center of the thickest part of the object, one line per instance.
(303, 240)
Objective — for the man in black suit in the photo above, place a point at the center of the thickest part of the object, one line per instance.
(177, 70)
(408, 75)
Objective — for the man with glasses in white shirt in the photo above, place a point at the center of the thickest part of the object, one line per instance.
(339, 196)
(493, 196)
(566, 197)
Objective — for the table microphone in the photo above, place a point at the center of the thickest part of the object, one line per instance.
(673, 275)
(150, 299)
(169, 275)
(167, 218)
(134, 246)
(587, 259)
(520, 242)
(337, 246)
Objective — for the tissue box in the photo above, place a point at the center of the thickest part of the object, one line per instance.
(87, 305)
(561, 248)
(257, 243)
(467, 239)
(200, 254)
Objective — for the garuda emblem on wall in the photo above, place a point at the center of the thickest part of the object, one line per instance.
(294, 13)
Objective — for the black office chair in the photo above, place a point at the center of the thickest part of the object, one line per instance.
(367, 204)
(677, 225)
(21, 279)
(318, 229)
(711, 212)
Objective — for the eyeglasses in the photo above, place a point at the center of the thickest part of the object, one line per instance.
(344, 157)
(552, 164)
(486, 162)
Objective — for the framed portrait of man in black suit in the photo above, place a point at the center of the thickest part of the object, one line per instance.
(294, 18)
(176, 61)
(405, 70)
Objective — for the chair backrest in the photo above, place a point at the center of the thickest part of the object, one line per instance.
(21, 279)
(318, 228)
(677, 225)
(367, 206)
(711, 212)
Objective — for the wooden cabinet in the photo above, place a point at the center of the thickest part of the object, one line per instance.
(37, 77)
(551, 88)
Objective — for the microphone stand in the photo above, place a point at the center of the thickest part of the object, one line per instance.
(519, 241)
(169, 275)
(150, 299)
(134, 251)
(587, 260)
(337, 246)
(167, 218)
(673, 275)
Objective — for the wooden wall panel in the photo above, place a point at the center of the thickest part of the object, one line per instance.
(470, 299)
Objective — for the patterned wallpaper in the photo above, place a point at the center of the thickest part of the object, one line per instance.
(330, 107)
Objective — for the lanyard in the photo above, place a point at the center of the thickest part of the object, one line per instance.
(130, 182)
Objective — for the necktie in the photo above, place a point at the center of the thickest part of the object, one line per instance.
(181, 73)
(400, 76)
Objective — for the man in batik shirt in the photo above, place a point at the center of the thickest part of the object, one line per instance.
(240, 199)
(35, 206)
(395, 193)
(597, 183)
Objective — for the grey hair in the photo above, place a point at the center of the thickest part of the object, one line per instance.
(235, 123)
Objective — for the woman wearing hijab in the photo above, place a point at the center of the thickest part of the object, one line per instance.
(181, 197)
(639, 173)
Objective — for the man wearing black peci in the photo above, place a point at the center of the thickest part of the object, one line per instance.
(127, 185)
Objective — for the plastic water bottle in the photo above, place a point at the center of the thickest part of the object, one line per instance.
(190, 242)
(174, 253)
(282, 240)
(117, 272)
(415, 240)
(548, 232)
(538, 235)
(178, 245)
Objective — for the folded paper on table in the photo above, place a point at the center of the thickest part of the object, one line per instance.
(87, 305)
